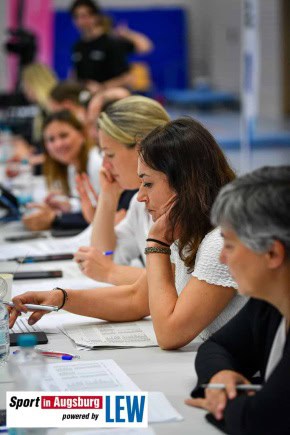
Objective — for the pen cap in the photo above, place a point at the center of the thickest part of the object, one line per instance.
(26, 340)
(67, 357)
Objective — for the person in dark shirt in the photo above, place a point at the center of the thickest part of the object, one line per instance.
(99, 60)
(254, 214)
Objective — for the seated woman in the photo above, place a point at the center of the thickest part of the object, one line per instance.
(72, 96)
(120, 126)
(181, 169)
(68, 151)
(254, 215)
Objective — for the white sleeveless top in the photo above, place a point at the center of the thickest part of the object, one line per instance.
(208, 268)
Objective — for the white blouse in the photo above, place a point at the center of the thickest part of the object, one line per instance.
(132, 232)
(208, 268)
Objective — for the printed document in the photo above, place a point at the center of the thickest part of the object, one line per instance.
(104, 334)
(87, 376)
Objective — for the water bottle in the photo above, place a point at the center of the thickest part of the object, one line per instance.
(4, 325)
(4, 334)
(6, 149)
(25, 180)
(27, 368)
(27, 365)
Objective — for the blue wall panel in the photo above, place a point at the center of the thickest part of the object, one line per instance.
(167, 29)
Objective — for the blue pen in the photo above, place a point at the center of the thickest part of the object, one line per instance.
(53, 354)
(108, 253)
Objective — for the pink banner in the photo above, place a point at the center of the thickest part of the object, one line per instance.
(37, 18)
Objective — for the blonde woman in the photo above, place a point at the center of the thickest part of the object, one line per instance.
(121, 127)
(37, 81)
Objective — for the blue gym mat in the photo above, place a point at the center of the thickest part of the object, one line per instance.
(225, 127)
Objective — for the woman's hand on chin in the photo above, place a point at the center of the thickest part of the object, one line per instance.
(161, 229)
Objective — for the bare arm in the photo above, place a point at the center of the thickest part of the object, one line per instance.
(186, 315)
(122, 80)
(103, 235)
(124, 303)
(100, 267)
(142, 44)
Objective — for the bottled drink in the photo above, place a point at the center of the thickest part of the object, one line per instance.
(6, 146)
(27, 368)
(24, 183)
(27, 365)
(4, 334)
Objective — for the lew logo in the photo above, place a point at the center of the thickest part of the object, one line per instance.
(122, 409)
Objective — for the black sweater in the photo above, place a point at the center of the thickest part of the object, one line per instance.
(244, 345)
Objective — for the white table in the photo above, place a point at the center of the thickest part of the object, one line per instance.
(152, 369)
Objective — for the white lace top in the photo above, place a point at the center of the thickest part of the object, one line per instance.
(208, 268)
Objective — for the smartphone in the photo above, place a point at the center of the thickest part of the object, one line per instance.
(41, 274)
(41, 337)
(65, 233)
(23, 237)
(41, 258)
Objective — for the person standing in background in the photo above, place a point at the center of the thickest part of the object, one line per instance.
(99, 60)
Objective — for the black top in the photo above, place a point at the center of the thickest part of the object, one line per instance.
(244, 345)
(100, 59)
(68, 221)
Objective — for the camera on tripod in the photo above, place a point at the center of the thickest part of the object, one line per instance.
(23, 43)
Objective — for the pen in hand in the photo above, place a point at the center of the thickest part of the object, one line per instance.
(34, 307)
(240, 387)
(106, 253)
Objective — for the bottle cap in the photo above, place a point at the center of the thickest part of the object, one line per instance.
(26, 340)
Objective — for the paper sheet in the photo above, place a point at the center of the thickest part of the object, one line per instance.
(128, 334)
(45, 246)
(160, 409)
(100, 375)
(48, 284)
(141, 431)
(21, 325)
(53, 322)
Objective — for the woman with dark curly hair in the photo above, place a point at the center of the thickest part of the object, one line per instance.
(186, 290)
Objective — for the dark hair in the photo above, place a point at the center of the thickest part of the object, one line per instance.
(67, 90)
(196, 169)
(56, 171)
(90, 4)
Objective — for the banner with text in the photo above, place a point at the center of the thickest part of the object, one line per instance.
(76, 409)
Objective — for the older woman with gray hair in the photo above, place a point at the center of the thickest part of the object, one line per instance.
(254, 215)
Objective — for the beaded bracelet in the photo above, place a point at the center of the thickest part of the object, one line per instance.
(65, 296)
(157, 250)
(158, 241)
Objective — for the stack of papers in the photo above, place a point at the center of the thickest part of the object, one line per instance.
(104, 334)
(139, 431)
